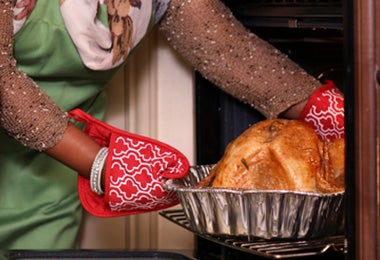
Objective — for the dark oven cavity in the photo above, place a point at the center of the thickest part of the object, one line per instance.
(311, 33)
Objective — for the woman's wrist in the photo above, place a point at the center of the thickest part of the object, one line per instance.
(294, 111)
(96, 175)
(76, 150)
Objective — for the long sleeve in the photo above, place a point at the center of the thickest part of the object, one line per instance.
(217, 45)
(26, 112)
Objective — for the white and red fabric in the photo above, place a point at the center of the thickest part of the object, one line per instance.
(91, 35)
(135, 168)
(325, 111)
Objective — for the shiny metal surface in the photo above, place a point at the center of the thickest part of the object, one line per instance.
(261, 214)
(272, 249)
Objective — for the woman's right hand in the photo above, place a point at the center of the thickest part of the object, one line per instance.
(133, 172)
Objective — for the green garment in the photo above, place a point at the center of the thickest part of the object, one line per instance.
(39, 203)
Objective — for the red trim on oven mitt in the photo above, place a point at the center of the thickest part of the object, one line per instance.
(325, 111)
(135, 168)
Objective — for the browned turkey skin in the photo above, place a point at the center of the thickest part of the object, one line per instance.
(280, 154)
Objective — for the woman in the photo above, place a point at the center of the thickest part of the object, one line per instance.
(80, 45)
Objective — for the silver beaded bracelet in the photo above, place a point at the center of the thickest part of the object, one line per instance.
(96, 171)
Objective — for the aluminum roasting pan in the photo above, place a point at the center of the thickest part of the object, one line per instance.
(263, 214)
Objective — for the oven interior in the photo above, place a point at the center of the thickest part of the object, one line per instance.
(310, 32)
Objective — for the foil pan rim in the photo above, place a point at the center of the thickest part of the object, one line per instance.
(170, 184)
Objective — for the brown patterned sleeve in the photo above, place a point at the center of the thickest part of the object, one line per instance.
(217, 45)
(26, 112)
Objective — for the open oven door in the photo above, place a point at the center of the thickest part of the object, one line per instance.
(363, 131)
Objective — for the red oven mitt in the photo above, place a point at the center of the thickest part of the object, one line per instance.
(135, 168)
(325, 111)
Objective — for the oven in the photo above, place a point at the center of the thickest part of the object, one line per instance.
(331, 39)
(310, 33)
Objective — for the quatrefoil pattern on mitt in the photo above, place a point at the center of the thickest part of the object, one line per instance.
(135, 168)
(325, 112)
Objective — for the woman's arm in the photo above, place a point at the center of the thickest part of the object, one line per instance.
(294, 111)
(225, 52)
(76, 150)
(30, 116)
(216, 44)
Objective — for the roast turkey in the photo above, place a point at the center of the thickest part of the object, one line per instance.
(280, 154)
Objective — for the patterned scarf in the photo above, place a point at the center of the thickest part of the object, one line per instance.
(104, 47)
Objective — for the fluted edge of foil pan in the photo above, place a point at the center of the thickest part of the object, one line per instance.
(267, 214)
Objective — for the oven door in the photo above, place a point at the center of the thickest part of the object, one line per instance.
(363, 130)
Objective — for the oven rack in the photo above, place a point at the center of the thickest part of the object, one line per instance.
(289, 13)
(266, 248)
